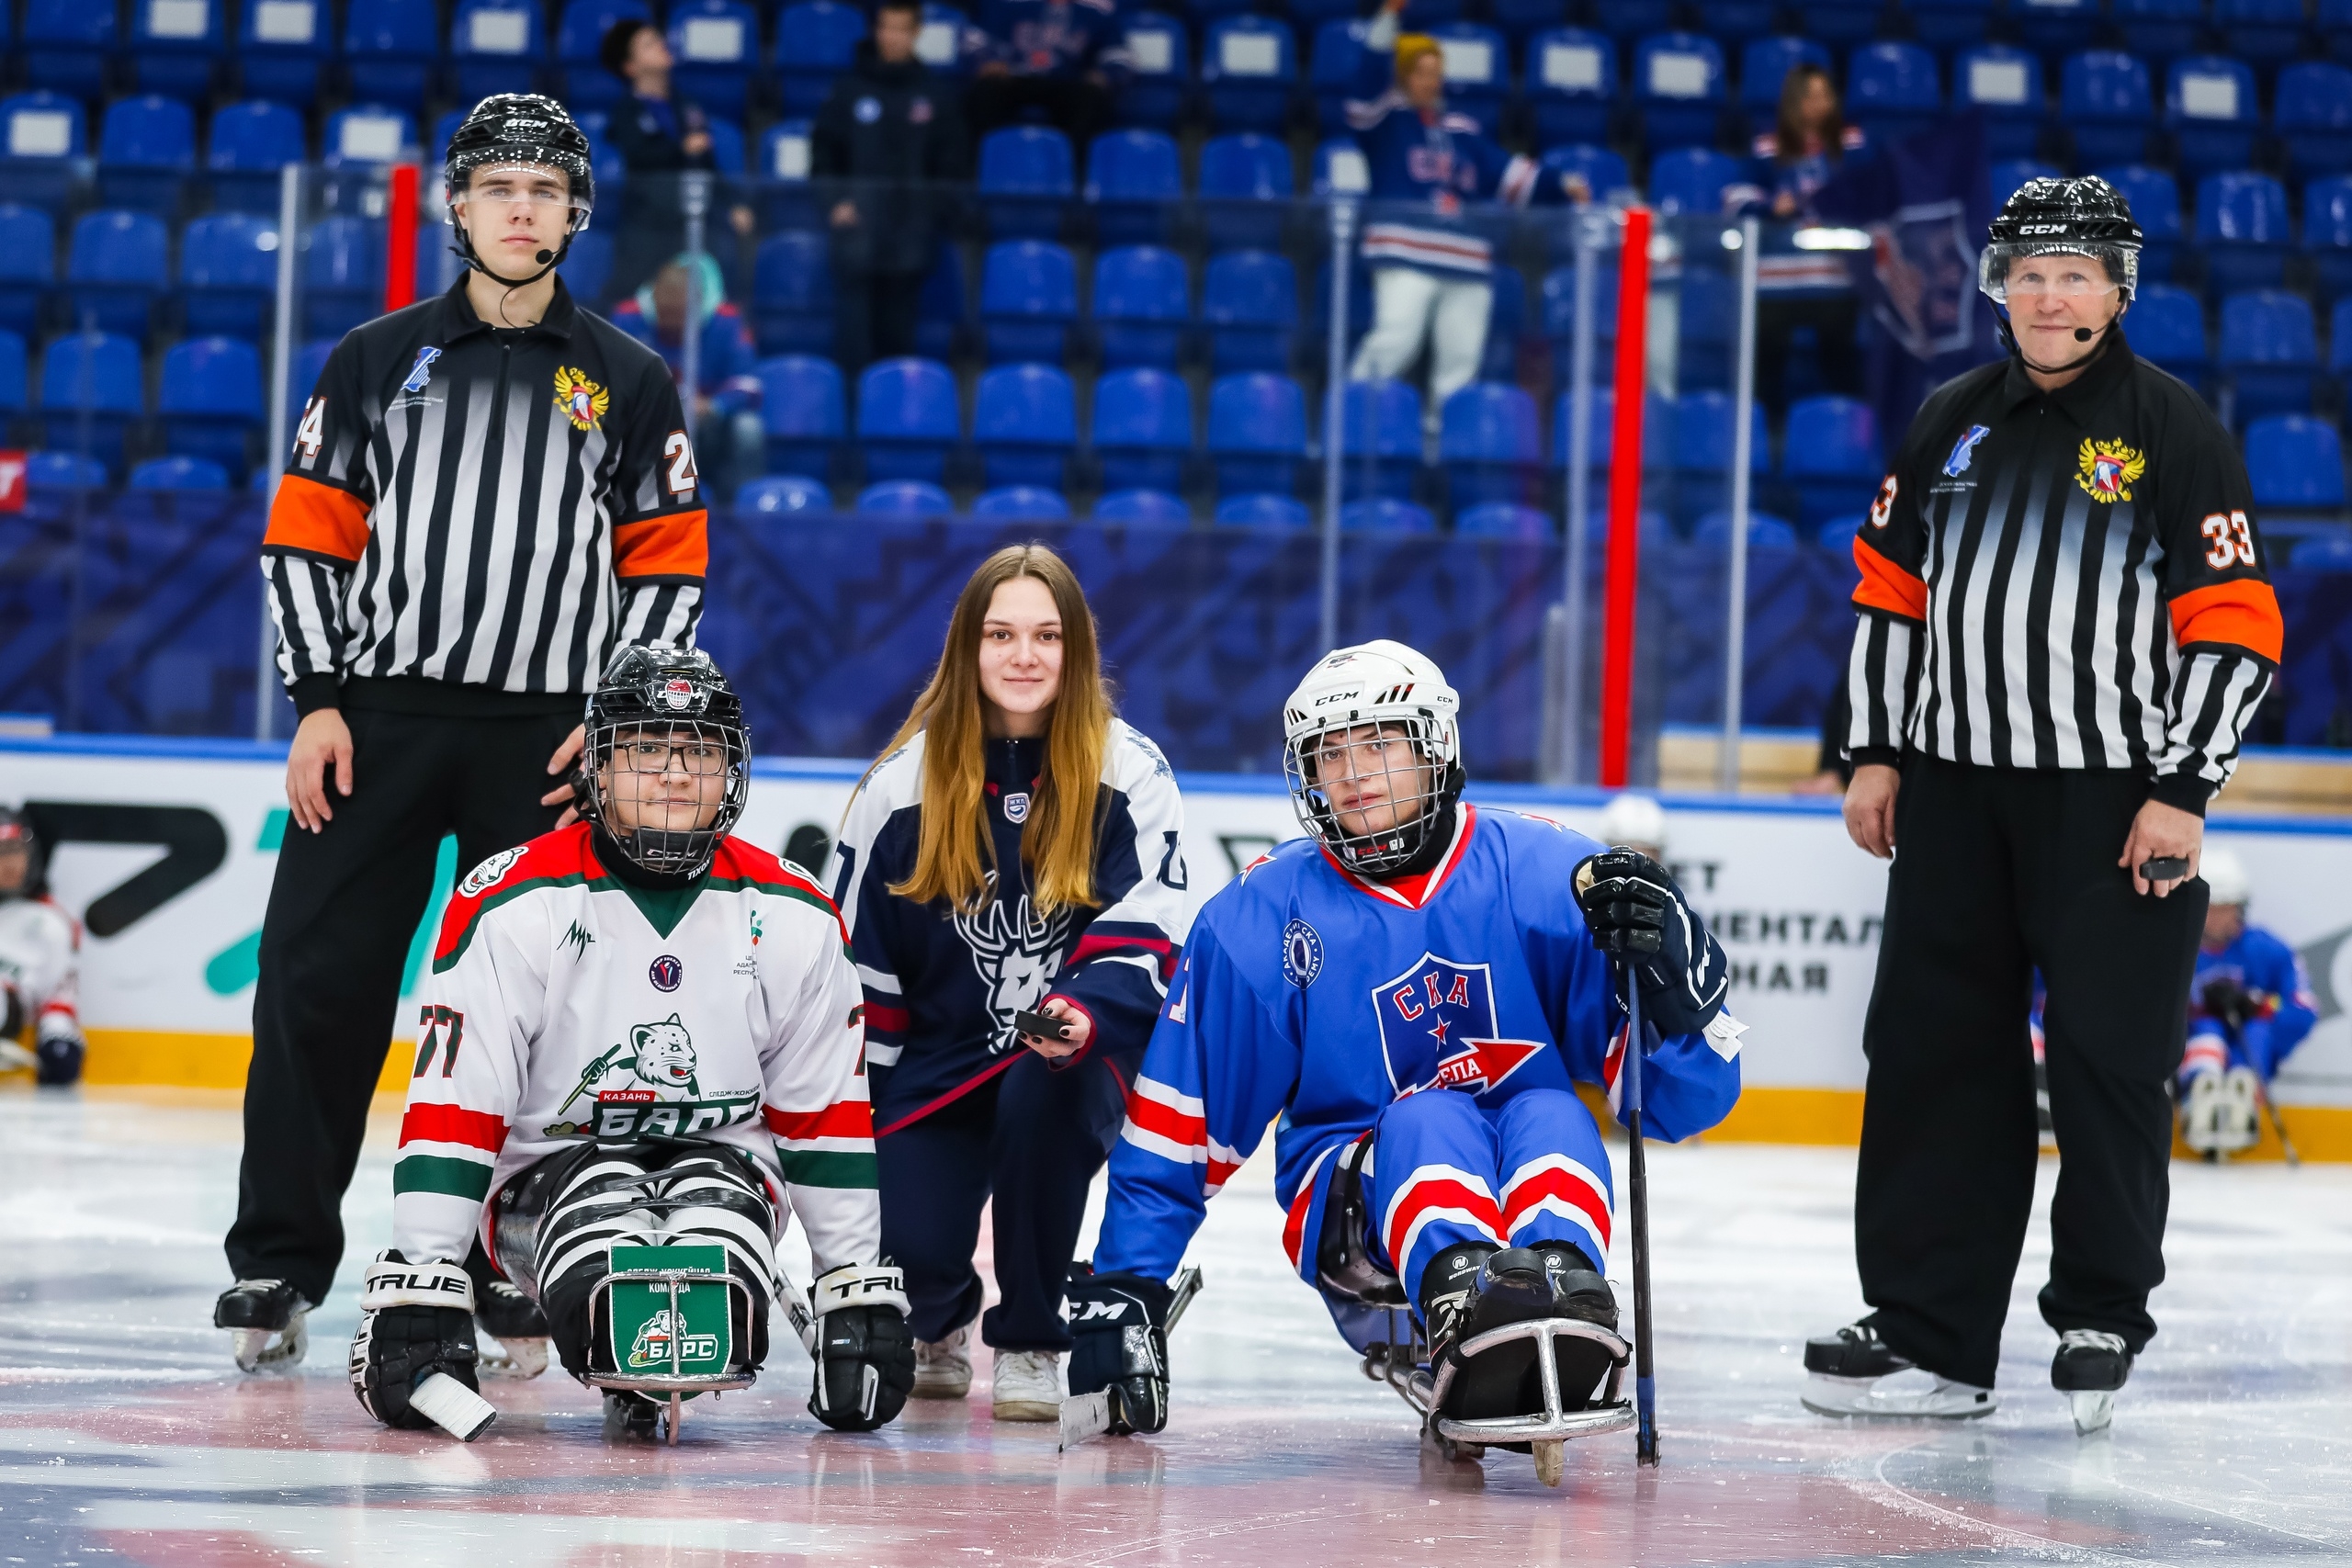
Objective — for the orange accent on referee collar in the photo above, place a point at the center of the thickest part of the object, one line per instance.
(2243, 614)
(1886, 586)
(317, 518)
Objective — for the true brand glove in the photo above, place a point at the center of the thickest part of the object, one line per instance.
(865, 1358)
(1118, 1325)
(1634, 911)
(415, 1319)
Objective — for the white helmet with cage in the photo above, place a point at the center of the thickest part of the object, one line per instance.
(1405, 694)
(1637, 821)
(2224, 874)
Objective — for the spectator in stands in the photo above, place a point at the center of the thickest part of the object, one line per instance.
(891, 129)
(2249, 1007)
(727, 392)
(659, 137)
(1798, 289)
(1056, 58)
(1430, 269)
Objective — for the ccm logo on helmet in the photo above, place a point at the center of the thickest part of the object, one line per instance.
(2041, 228)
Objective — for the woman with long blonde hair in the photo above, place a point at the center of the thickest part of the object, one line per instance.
(1016, 849)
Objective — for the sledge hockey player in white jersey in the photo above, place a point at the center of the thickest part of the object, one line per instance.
(1413, 988)
(640, 1032)
(40, 962)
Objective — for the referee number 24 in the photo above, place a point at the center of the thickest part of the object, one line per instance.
(2233, 544)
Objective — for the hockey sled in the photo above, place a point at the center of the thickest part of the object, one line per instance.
(669, 1316)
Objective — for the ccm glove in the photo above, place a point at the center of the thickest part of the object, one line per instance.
(415, 1319)
(1635, 912)
(1118, 1325)
(2227, 1002)
(866, 1358)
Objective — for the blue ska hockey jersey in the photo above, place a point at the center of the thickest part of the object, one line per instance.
(1311, 995)
(2284, 1007)
(942, 988)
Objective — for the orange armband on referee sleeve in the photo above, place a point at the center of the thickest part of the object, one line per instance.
(1885, 586)
(2242, 614)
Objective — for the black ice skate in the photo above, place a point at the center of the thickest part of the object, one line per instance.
(632, 1417)
(266, 1323)
(1854, 1373)
(513, 1319)
(2089, 1367)
(1523, 1351)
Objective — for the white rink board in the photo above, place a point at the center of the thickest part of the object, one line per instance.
(1794, 903)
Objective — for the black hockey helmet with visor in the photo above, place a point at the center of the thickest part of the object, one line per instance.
(2078, 217)
(660, 707)
(524, 134)
(1372, 691)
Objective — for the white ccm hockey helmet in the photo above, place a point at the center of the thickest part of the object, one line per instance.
(1636, 822)
(1378, 682)
(2224, 873)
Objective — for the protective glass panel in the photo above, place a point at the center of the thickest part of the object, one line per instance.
(1249, 54)
(1997, 80)
(286, 21)
(1571, 67)
(178, 18)
(718, 39)
(1679, 75)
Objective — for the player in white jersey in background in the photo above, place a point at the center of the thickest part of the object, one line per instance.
(40, 962)
(639, 1031)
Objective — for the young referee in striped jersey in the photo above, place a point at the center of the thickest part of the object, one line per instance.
(2065, 627)
(487, 494)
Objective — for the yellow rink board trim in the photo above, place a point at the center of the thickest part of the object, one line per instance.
(1765, 1114)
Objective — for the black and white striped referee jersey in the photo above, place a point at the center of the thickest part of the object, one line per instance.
(2065, 579)
(492, 510)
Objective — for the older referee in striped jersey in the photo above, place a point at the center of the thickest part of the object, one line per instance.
(2065, 627)
(487, 493)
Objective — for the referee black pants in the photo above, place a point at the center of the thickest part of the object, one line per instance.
(335, 943)
(1998, 872)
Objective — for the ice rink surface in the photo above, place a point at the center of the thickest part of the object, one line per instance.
(127, 1437)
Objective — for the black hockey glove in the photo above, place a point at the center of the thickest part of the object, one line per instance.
(1119, 1328)
(1635, 912)
(865, 1358)
(415, 1319)
(2228, 1002)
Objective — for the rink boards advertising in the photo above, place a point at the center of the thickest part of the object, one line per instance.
(168, 848)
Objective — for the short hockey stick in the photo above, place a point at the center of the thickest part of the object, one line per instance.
(1637, 1204)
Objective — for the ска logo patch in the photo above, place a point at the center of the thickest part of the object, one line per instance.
(2108, 469)
(582, 402)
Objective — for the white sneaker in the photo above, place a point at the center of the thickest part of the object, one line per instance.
(1028, 1385)
(1912, 1394)
(944, 1367)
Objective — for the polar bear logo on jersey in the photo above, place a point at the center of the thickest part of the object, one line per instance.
(665, 1054)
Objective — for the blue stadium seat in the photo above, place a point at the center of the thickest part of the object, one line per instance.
(1263, 509)
(2160, 30)
(2269, 351)
(1143, 507)
(716, 45)
(1477, 70)
(1143, 429)
(28, 265)
(390, 49)
(1678, 88)
(1702, 451)
(1658, 432)
(2210, 109)
(1947, 24)
(1333, 66)
(1338, 168)
(2054, 27)
(1381, 423)
(310, 364)
(1133, 177)
(228, 275)
(1492, 444)
(792, 294)
(2005, 85)
(1522, 19)
(66, 45)
(1142, 306)
(1838, 23)
(1602, 170)
(801, 413)
(815, 39)
(907, 419)
(1764, 64)
(1506, 323)
(943, 313)
(1504, 520)
(1571, 81)
(1315, 333)
(2267, 33)
(1160, 82)
(1244, 181)
(2155, 207)
(1385, 514)
(905, 497)
(1831, 457)
(2327, 233)
(2241, 228)
(62, 470)
(146, 151)
(1256, 435)
(1891, 90)
(495, 46)
(2007, 174)
(784, 151)
(1836, 535)
(1692, 180)
(250, 142)
(1025, 180)
(1628, 19)
(15, 392)
(173, 44)
(1028, 299)
(2329, 553)
(783, 494)
(2335, 22)
(2165, 326)
(1020, 504)
(2314, 118)
(578, 34)
(343, 274)
(210, 400)
(366, 134)
(97, 371)
(2296, 463)
(2103, 97)
(1250, 306)
(585, 270)
(116, 263)
(41, 133)
(1025, 422)
(1248, 67)
(283, 46)
(946, 40)
(1736, 21)
(1559, 319)
(1764, 531)
(179, 473)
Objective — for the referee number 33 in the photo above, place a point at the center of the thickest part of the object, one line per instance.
(2233, 544)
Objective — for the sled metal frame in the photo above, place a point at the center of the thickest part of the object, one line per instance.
(678, 1383)
(1402, 1364)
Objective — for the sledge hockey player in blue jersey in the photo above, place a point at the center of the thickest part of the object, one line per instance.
(1412, 988)
(2249, 1007)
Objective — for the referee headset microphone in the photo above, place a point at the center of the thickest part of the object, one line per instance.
(2054, 219)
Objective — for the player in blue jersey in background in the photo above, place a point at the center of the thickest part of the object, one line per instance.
(1413, 988)
(2249, 1007)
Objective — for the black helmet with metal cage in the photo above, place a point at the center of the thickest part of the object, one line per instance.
(657, 708)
